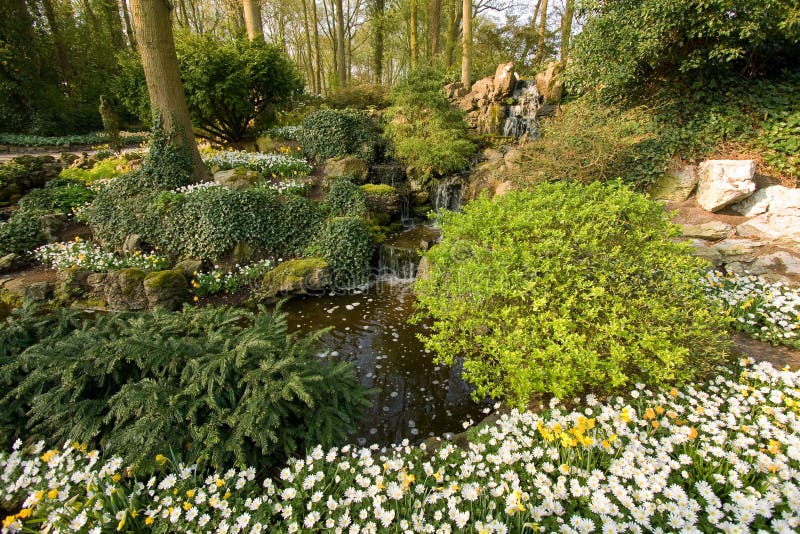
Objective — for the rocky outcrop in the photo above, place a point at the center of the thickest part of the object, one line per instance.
(382, 198)
(724, 182)
(486, 102)
(349, 166)
(781, 227)
(299, 276)
(549, 83)
(168, 289)
(676, 184)
(124, 289)
(236, 178)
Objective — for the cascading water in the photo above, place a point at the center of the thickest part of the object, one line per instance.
(399, 257)
(447, 195)
(522, 114)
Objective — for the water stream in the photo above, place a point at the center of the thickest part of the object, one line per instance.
(522, 114)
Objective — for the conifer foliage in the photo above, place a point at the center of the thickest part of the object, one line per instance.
(217, 385)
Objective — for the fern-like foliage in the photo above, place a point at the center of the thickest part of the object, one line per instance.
(219, 386)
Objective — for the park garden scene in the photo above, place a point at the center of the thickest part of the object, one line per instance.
(417, 266)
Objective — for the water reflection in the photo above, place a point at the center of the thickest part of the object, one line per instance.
(417, 398)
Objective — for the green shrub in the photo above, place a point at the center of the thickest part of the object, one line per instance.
(362, 96)
(11, 173)
(21, 233)
(568, 288)
(331, 133)
(425, 131)
(632, 45)
(345, 198)
(107, 168)
(57, 196)
(347, 244)
(216, 385)
(379, 189)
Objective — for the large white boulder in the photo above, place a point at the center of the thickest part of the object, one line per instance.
(781, 227)
(724, 182)
(775, 198)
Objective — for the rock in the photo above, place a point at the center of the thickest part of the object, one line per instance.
(504, 81)
(738, 250)
(391, 173)
(711, 230)
(52, 225)
(492, 154)
(513, 156)
(236, 178)
(299, 276)
(736, 267)
(482, 89)
(783, 199)
(755, 204)
(421, 198)
(423, 268)
(703, 250)
(502, 188)
(782, 228)
(382, 198)
(241, 254)
(781, 262)
(724, 182)
(189, 267)
(168, 289)
(9, 262)
(549, 83)
(72, 284)
(124, 289)
(676, 184)
(350, 166)
(38, 291)
(491, 120)
(132, 243)
(455, 90)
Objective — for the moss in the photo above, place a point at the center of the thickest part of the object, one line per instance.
(168, 279)
(379, 189)
(130, 280)
(89, 303)
(296, 276)
(9, 300)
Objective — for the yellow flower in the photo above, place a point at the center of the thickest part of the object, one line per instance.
(187, 505)
(774, 446)
(24, 513)
(161, 459)
(196, 298)
(673, 392)
(219, 482)
(149, 520)
(117, 477)
(692, 433)
(52, 494)
(190, 493)
(46, 457)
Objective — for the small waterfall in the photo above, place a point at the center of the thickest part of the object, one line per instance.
(399, 256)
(522, 114)
(405, 211)
(447, 195)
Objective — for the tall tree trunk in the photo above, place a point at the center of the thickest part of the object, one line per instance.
(466, 47)
(128, 28)
(540, 43)
(436, 22)
(340, 46)
(113, 21)
(566, 28)
(62, 54)
(307, 31)
(412, 32)
(317, 54)
(379, 8)
(453, 22)
(153, 26)
(252, 19)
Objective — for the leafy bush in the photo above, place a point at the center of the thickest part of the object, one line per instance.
(102, 170)
(285, 133)
(11, 173)
(99, 138)
(57, 196)
(566, 288)
(345, 198)
(347, 244)
(631, 45)
(426, 132)
(21, 233)
(329, 133)
(219, 386)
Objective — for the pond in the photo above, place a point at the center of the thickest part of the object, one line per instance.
(416, 398)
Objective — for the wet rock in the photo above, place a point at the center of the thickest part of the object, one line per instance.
(712, 230)
(168, 289)
(350, 166)
(124, 289)
(724, 182)
(236, 178)
(299, 276)
(676, 184)
(382, 198)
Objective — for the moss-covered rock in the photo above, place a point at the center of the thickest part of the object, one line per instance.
(168, 289)
(72, 284)
(238, 178)
(350, 166)
(124, 289)
(382, 198)
(189, 267)
(299, 276)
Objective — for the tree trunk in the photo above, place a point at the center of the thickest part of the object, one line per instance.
(340, 46)
(379, 7)
(453, 21)
(153, 26)
(252, 19)
(566, 28)
(317, 54)
(113, 22)
(412, 32)
(436, 18)
(466, 48)
(542, 33)
(62, 54)
(307, 30)
(128, 28)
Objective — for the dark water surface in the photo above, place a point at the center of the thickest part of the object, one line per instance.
(417, 398)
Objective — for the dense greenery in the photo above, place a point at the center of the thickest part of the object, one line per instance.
(567, 288)
(102, 170)
(347, 244)
(345, 198)
(427, 134)
(630, 45)
(330, 133)
(215, 385)
(65, 141)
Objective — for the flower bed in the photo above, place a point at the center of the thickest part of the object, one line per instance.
(87, 255)
(719, 456)
(128, 138)
(765, 311)
(218, 281)
(269, 165)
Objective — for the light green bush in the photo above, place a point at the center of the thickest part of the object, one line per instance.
(568, 288)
